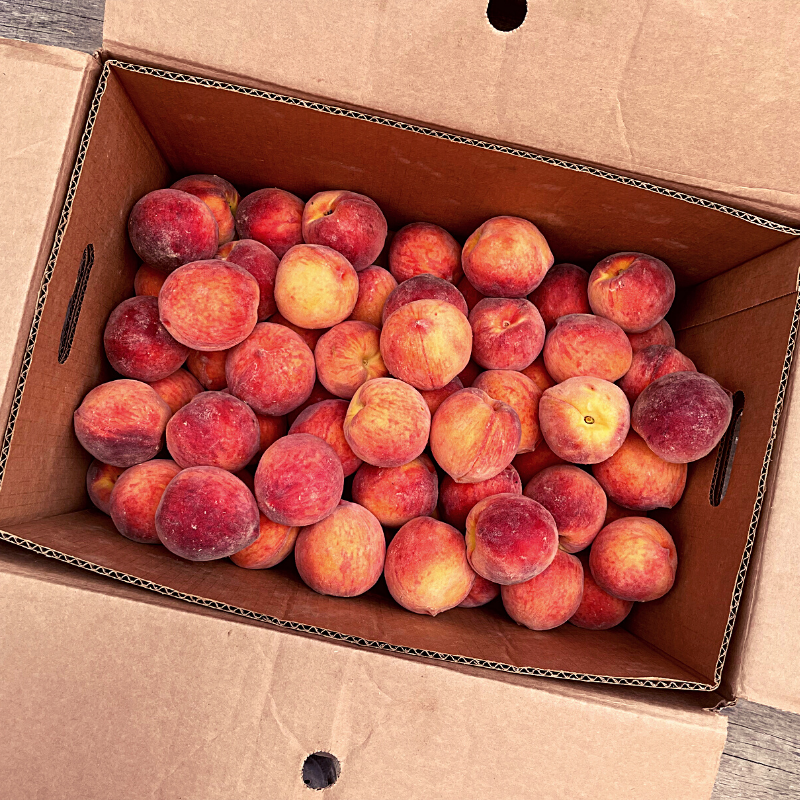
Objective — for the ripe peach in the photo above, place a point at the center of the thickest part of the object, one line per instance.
(435, 397)
(206, 513)
(261, 263)
(522, 394)
(178, 389)
(426, 567)
(582, 344)
(473, 436)
(387, 423)
(506, 257)
(649, 365)
(318, 394)
(219, 195)
(375, 284)
(481, 593)
(423, 287)
(615, 512)
(530, 464)
(122, 423)
(470, 293)
(598, 610)
(272, 217)
(660, 333)
(348, 222)
(273, 544)
(458, 499)
(308, 336)
(469, 373)
(538, 373)
(209, 368)
(100, 480)
(424, 249)
(632, 289)
(270, 429)
(506, 333)
(149, 280)
(343, 554)
(562, 291)
(326, 420)
(348, 355)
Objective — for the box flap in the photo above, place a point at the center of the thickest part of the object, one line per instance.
(46, 92)
(696, 96)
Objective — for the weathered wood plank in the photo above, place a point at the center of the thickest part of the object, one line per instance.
(77, 24)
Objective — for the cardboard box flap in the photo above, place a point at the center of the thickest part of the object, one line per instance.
(698, 97)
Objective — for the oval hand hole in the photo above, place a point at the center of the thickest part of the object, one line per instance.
(726, 452)
(321, 770)
(506, 15)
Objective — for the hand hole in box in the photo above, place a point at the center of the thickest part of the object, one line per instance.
(506, 15)
(321, 770)
(74, 305)
(726, 452)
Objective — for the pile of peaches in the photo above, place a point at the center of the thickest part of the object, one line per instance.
(471, 422)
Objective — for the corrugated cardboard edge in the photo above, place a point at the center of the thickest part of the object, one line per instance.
(206, 82)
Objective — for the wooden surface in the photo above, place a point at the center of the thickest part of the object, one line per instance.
(762, 754)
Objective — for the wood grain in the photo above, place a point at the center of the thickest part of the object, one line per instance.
(77, 24)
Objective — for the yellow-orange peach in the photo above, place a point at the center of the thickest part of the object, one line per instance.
(562, 291)
(261, 263)
(272, 217)
(220, 196)
(326, 420)
(649, 365)
(423, 287)
(481, 593)
(598, 610)
(308, 336)
(178, 389)
(100, 480)
(538, 373)
(273, 545)
(522, 394)
(458, 499)
(660, 333)
(209, 368)
(422, 248)
(507, 333)
(375, 284)
(530, 464)
(615, 512)
(149, 280)
(348, 355)
(470, 294)
(435, 397)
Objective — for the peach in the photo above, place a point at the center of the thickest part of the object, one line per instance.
(682, 416)
(395, 495)
(635, 477)
(348, 222)
(214, 430)
(137, 345)
(473, 436)
(435, 397)
(530, 464)
(576, 501)
(149, 280)
(261, 263)
(469, 373)
(506, 257)
(272, 370)
(470, 294)
(136, 496)
(270, 429)
(458, 499)
(209, 368)
(178, 389)
(343, 554)
(375, 284)
(649, 365)
(299, 480)
(481, 593)
(426, 343)
(308, 336)
(326, 420)
(219, 195)
(522, 394)
(506, 333)
(426, 567)
(424, 249)
(273, 217)
(423, 287)
(122, 423)
(538, 373)
(315, 287)
(634, 559)
(247, 479)
(615, 512)
(582, 344)
(632, 289)
(510, 538)
(550, 598)
(348, 355)
(169, 228)
(584, 420)
(100, 480)
(273, 545)
(660, 333)
(598, 610)
(562, 291)
(318, 394)
(209, 305)
(387, 423)
(206, 513)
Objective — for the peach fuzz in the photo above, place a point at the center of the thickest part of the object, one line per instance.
(506, 257)
(349, 222)
(562, 291)
(522, 394)
(470, 294)
(481, 593)
(272, 370)
(122, 423)
(272, 217)
(582, 344)
(375, 284)
(550, 598)
(299, 480)
(273, 545)
(506, 333)
(315, 287)
(270, 429)
(530, 464)
(473, 436)
(100, 480)
(169, 228)
(426, 343)
(634, 559)
(458, 499)
(343, 554)
(219, 195)
(308, 336)
(636, 478)
(206, 513)
(426, 569)
(682, 416)
(137, 345)
(435, 397)
(576, 501)
(660, 333)
(215, 429)
(149, 280)
(633, 290)
(395, 495)
(598, 610)
(510, 538)
(348, 355)
(261, 263)
(615, 512)
(423, 287)
(422, 248)
(318, 394)
(178, 389)
(209, 368)
(209, 305)
(649, 365)
(538, 373)
(387, 423)
(136, 496)
(326, 420)
(584, 420)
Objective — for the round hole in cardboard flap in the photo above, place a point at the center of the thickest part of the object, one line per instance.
(506, 15)
(321, 770)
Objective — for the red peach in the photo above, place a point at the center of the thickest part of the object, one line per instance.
(209, 368)
(326, 420)
(375, 284)
(219, 195)
(100, 480)
(308, 336)
(458, 499)
(421, 249)
(468, 375)
(660, 333)
(423, 287)
(270, 430)
(470, 294)
(598, 610)
(149, 280)
(261, 263)
(649, 365)
(178, 389)
(538, 373)
(272, 217)
(247, 479)
(522, 394)
(481, 593)
(506, 333)
(348, 355)
(318, 394)
(435, 397)
(615, 512)
(530, 464)
(273, 545)
(562, 291)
